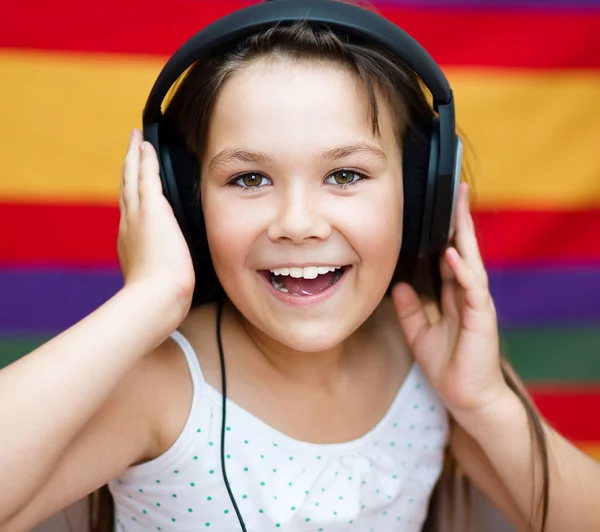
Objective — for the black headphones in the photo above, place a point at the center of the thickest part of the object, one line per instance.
(431, 165)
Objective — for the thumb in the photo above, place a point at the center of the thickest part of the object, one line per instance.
(410, 312)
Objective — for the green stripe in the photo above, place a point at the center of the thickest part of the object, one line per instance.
(559, 354)
(13, 348)
(565, 354)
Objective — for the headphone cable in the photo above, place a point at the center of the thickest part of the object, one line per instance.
(224, 415)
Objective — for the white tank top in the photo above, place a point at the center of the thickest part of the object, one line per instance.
(379, 482)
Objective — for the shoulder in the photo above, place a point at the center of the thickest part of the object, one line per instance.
(199, 327)
(157, 393)
(159, 389)
(200, 330)
(166, 374)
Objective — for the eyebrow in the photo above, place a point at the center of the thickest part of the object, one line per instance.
(230, 155)
(356, 148)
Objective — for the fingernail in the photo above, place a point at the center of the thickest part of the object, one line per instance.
(143, 146)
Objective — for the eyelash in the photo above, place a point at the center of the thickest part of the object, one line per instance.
(234, 181)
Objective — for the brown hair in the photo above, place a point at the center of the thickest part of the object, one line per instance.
(382, 74)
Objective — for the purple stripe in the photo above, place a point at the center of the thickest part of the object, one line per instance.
(52, 300)
(47, 300)
(546, 296)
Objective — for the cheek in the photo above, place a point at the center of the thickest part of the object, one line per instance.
(372, 224)
(229, 232)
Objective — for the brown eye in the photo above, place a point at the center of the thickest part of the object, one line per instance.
(343, 177)
(251, 181)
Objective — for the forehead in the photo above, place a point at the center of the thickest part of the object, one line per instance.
(294, 103)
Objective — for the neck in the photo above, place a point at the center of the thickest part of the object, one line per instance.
(323, 369)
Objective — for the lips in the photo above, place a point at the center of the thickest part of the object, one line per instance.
(305, 281)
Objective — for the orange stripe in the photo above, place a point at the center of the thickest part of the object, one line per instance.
(65, 130)
(591, 449)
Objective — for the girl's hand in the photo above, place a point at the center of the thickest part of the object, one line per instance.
(460, 352)
(151, 247)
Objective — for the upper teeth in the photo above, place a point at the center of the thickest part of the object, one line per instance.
(310, 272)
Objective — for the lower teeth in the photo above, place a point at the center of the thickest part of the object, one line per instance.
(276, 282)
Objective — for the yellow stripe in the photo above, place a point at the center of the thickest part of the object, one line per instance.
(535, 136)
(66, 120)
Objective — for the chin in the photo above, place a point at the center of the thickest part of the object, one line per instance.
(312, 338)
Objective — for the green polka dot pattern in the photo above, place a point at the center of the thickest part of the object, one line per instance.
(380, 482)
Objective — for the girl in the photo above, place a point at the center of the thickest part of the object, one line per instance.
(341, 397)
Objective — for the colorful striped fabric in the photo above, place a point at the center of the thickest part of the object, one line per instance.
(526, 74)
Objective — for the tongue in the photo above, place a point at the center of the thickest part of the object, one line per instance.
(307, 287)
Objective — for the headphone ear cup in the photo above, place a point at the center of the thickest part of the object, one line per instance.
(182, 189)
(415, 176)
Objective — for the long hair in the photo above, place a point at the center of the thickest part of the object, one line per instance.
(386, 79)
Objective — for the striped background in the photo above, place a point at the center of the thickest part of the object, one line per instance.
(526, 74)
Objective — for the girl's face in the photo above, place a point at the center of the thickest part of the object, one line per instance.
(295, 185)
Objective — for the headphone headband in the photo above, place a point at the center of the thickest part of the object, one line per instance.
(346, 18)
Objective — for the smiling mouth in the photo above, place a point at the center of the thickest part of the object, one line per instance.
(305, 281)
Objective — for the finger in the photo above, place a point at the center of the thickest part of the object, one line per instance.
(411, 314)
(130, 173)
(149, 179)
(448, 297)
(446, 272)
(121, 200)
(122, 182)
(450, 302)
(476, 295)
(122, 206)
(466, 240)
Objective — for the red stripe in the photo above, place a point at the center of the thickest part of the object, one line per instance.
(557, 237)
(86, 235)
(58, 234)
(482, 36)
(573, 412)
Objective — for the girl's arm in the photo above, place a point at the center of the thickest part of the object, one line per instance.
(475, 464)
(48, 396)
(502, 432)
(460, 353)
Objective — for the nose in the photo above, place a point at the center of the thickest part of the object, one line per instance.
(300, 218)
